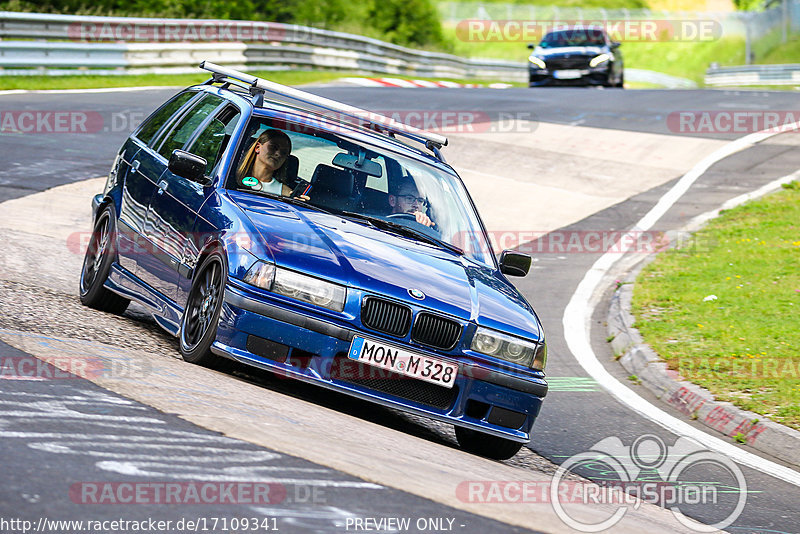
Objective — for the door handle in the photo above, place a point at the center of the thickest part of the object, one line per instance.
(162, 186)
(135, 165)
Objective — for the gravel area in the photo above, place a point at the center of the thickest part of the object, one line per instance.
(52, 313)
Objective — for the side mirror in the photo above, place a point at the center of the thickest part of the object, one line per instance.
(514, 263)
(189, 166)
(615, 45)
(531, 46)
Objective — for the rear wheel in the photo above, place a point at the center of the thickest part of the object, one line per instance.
(486, 445)
(199, 324)
(100, 254)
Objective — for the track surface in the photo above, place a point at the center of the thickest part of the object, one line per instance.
(576, 415)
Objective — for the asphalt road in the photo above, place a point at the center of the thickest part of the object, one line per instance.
(578, 413)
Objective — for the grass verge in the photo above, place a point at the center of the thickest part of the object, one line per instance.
(88, 81)
(724, 311)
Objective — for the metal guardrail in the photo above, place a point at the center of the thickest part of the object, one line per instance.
(754, 75)
(61, 43)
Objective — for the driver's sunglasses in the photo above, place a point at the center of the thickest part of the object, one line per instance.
(411, 198)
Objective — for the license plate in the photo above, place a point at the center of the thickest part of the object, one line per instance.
(403, 362)
(567, 74)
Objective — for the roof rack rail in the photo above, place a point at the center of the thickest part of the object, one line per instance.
(373, 120)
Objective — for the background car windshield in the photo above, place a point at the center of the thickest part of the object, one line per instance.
(373, 187)
(574, 37)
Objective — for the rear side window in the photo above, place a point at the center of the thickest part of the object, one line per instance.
(182, 133)
(154, 123)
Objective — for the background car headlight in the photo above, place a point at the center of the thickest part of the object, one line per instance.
(538, 62)
(297, 286)
(509, 348)
(602, 58)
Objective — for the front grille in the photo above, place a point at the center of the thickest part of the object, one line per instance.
(435, 331)
(394, 384)
(386, 316)
(571, 62)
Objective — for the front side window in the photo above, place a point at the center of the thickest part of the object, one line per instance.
(183, 131)
(154, 122)
(212, 141)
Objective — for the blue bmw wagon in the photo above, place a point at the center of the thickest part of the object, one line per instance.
(266, 225)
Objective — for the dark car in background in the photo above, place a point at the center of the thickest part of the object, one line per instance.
(576, 56)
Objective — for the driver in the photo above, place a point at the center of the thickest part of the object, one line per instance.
(406, 199)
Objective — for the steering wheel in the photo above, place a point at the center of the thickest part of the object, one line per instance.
(407, 216)
(413, 218)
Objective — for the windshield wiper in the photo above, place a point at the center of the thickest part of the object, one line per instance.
(403, 230)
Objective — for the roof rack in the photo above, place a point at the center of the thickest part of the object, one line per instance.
(223, 74)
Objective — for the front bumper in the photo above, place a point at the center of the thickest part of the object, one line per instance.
(293, 343)
(596, 76)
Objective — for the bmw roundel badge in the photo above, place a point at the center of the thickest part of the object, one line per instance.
(416, 293)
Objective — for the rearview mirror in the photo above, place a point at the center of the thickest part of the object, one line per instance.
(189, 166)
(514, 263)
(358, 163)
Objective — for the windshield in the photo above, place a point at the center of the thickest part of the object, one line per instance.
(387, 191)
(574, 37)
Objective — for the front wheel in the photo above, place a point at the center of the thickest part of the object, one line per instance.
(199, 324)
(100, 255)
(486, 445)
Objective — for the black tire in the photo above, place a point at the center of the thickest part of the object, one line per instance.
(621, 83)
(100, 254)
(199, 323)
(486, 445)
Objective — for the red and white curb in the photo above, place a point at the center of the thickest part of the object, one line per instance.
(413, 84)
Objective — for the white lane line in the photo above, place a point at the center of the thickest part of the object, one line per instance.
(577, 322)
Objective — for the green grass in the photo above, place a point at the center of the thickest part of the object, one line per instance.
(788, 52)
(741, 345)
(91, 82)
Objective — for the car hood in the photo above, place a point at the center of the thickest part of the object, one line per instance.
(568, 50)
(380, 262)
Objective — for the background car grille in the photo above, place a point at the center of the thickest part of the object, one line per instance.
(572, 62)
(435, 331)
(386, 316)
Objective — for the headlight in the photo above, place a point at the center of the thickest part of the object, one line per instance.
(538, 62)
(261, 275)
(297, 286)
(509, 348)
(602, 58)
